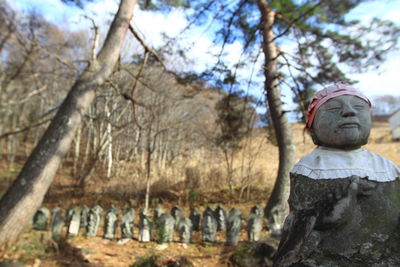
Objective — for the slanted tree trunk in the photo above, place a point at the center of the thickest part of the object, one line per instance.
(26, 194)
(277, 206)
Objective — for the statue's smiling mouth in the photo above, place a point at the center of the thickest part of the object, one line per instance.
(349, 125)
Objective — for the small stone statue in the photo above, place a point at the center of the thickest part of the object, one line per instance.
(41, 219)
(57, 223)
(344, 200)
(177, 213)
(233, 227)
(256, 210)
(275, 221)
(195, 218)
(84, 216)
(144, 228)
(185, 230)
(254, 223)
(209, 226)
(165, 227)
(157, 213)
(110, 224)
(74, 222)
(69, 213)
(94, 220)
(220, 214)
(127, 223)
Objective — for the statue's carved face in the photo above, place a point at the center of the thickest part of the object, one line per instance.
(343, 122)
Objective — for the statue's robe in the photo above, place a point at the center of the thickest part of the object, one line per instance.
(366, 234)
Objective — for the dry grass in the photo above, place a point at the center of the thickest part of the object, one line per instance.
(205, 171)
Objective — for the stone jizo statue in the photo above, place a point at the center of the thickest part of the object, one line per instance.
(41, 219)
(344, 200)
(195, 218)
(185, 228)
(69, 213)
(74, 222)
(110, 223)
(84, 216)
(221, 216)
(177, 213)
(255, 223)
(157, 213)
(208, 226)
(94, 220)
(145, 226)
(233, 226)
(127, 223)
(57, 223)
(166, 225)
(257, 210)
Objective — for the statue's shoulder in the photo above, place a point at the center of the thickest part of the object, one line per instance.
(326, 163)
(381, 166)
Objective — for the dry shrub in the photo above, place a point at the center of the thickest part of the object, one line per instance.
(214, 179)
(162, 184)
(258, 177)
(192, 178)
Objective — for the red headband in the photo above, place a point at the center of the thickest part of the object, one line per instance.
(322, 96)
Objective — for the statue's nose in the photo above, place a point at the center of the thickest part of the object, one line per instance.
(348, 110)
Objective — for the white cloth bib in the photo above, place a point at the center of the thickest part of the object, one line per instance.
(329, 163)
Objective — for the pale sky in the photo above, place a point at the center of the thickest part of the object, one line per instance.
(151, 26)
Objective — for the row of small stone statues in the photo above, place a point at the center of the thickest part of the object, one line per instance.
(160, 227)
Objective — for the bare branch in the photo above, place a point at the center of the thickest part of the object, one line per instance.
(26, 98)
(147, 48)
(96, 37)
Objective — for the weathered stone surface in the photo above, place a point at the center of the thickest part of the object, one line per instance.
(75, 222)
(177, 213)
(57, 223)
(209, 226)
(195, 217)
(254, 254)
(165, 228)
(127, 223)
(69, 213)
(94, 220)
(41, 219)
(275, 222)
(185, 228)
(145, 226)
(255, 223)
(344, 200)
(233, 227)
(220, 214)
(157, 213)
(110, 223)
(84, 216)
(257, 210)
(366, 234)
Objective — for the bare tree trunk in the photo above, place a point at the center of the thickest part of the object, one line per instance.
(84, 160)
(228, 154)
(26, 194)
(149, 151)
(77, 151)
(109, 142)
(277, 206)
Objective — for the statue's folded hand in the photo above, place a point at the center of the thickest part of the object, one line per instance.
(342, 204)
